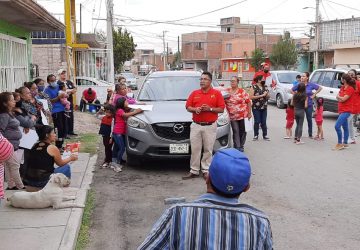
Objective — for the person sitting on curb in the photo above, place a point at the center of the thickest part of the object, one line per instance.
(41, 159)
(89, 97)
(216, 220)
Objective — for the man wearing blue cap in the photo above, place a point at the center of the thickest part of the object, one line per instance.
(216, 220)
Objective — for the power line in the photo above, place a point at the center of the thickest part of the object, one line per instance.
(275, 7)
(225, 7)
(97, 21)
(322, 4)
(345, 6)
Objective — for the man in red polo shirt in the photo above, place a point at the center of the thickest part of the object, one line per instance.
(205, 104)
(89, 97)
(265, 73)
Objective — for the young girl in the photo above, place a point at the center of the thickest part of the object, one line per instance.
(64, 101)
(119, 132)
(105, 131)
(319, 118)
(290, 117)
(300, 103)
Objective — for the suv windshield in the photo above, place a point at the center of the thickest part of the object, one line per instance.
(287, 77)
(170, 88)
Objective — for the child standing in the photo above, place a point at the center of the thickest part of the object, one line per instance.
(64, 101)
(300, 103)
(290, 117)
(319, 118)
(119, 132)
(105, 131)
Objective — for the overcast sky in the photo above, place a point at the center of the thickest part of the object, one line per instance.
(138, 16)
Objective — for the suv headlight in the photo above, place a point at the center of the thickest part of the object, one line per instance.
(136, 122)
(223, 119)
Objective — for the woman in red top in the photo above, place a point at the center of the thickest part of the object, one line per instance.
(239, 107)
(345, 107)
(356, 106)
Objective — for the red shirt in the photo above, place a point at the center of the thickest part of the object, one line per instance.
(261, 73)
(356, 101)
(88, 97)
(213, 98)
(107, 120)
(319, 114)
(290, 114)
(119, 124)
(346, 106)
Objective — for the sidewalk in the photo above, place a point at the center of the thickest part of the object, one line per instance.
(48, 228)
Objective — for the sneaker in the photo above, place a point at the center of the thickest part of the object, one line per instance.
(352, 142)
(118, 168)
(105, 165)
(256, 138)
(311, 137)
(338, 147)
(346, 145)
(299, 142)
(266, 138)
(112, 165)
(286, 137)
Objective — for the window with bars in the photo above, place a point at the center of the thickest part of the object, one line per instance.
(13, 63)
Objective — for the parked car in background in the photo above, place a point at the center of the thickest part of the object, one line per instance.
(284, 82)
(130, 80)
(329, 80)
(164, 132)
(99, 86)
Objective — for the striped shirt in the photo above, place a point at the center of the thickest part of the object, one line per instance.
(211, 222)
(6, 150)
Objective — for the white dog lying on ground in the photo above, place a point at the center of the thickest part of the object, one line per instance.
(50, 196)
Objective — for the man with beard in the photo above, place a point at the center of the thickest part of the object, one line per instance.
(264, 72)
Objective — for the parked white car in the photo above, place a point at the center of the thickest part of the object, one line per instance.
(284, 82)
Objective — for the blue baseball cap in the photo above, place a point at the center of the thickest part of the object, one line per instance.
(230, 171)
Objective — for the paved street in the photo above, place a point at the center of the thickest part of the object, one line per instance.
(307, 190)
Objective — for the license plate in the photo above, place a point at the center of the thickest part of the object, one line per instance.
(179, 148)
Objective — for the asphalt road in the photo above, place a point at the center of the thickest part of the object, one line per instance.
(310, 192)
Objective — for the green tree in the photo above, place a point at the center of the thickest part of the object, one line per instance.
(284, 53)
(176, 64)
(124, 47)
(257, 57)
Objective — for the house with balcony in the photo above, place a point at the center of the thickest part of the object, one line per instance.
(17, 20)
(339, 42)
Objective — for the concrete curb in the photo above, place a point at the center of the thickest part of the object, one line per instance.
(73, 225)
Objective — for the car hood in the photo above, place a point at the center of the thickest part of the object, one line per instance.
(166, 111)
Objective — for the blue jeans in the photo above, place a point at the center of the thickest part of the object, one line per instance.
(342, 122)
(260, 118)
(309, 112)
(119, 148)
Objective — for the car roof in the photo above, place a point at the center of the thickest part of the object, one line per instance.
(336, 70)
(175, 73)
(285, 71)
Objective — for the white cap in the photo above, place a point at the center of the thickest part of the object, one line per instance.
(60, 71)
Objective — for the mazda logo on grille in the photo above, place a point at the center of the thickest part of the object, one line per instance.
(178, 128)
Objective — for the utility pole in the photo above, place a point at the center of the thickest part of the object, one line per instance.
(164, 52)
(167, 54)
(80, 18)
(255, 37)
(317, 35)
(178, 44)
(109, 39)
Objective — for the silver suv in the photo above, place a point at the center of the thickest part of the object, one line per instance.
(164, 132)
(329, 80)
